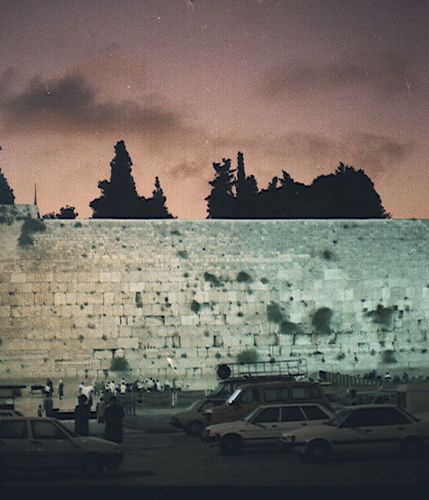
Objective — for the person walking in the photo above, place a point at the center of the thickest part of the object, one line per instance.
(41, 411)
(61, 389)
(81, 416)
(113, 416)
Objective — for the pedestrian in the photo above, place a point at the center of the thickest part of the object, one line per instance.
(48, 390)
(80, 389)
(81, 416)
(123, 387)
(61, 389)
(51, 387)
(112, 387)
(41, 411)
(100, 408)
(48, 405)
(387, 377)
(113, 415)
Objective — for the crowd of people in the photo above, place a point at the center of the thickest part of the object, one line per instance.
(114, 401)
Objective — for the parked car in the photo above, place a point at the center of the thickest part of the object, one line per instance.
(44, 443)
(262, 427)
(360, 429)
(362, 398)
(250, 396)
(192, 420)
(10, 413)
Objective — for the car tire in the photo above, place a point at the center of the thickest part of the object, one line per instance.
(92, 466)
(317, 451)
(231, 444)
(412, 447)
(195, 428)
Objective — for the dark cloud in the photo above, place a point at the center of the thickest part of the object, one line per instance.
(187, 170)
(377, 152)
(71, 105)
(374, 153)
(383, 73)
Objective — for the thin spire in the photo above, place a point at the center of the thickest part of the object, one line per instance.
(35, 194)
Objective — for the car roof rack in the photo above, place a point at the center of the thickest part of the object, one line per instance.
(265, 369)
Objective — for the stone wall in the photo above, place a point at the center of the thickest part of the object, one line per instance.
(347, 295)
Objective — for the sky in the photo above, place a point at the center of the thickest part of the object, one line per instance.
(295, 85)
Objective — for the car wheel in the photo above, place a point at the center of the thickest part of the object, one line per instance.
(92, 466)
(317, 451)
(231, 444)
(195, 428)
(412, 447)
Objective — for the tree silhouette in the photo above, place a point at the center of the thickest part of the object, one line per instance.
(347, 194)
(247, 192)
(66, 212)
(155, 207)
(6, 193)
(221, 201)
(120, 200)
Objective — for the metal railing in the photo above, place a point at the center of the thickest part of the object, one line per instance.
(292, 367)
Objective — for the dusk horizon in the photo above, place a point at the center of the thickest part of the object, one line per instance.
(298, 86)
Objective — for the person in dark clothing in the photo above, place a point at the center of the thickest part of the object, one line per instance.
(51, 385)
(61, 389)
(81, 416)
(113, 415)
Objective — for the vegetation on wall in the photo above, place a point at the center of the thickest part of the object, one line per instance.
(389, 357)
(28, 228)
(274, 313)
(382, 315)
(243, 277)
(212, 279)
(321, 320)
(247, 356)
(195, 306)
(119, 364)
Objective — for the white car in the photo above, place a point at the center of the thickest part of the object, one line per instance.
(360, 429)
(44, 443)
(263, 426)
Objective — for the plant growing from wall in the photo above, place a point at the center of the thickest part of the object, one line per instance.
(28, 228)
(247, 356)
(274, 313)
(243, 277)
(289, 327)
(183, 254)
(327, 254)
(195, 306)
(389, 357)
(139, 302)
(212, 279)
(321, 320)
(119, 364)
(382, 315)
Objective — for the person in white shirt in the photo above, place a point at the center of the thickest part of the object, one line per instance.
(112, 387)
(123, 387)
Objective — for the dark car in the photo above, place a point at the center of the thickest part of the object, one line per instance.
(44, 443)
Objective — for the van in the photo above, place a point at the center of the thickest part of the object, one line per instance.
(247, 397)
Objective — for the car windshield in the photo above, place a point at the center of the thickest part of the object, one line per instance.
(234, 396)
(68, 431)
(249, 417)
(338, 417)
(221, 389)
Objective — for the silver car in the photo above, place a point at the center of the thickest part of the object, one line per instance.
(44, 443)
(262, 427)
(365, 429)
